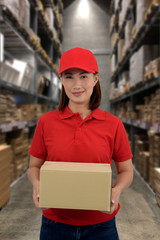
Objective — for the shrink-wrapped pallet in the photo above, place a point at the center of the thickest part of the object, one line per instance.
(141, 7)
(132, 72)
(139, 60)
(13, 6)
(24, 13)
(128, 34)
(18, 141)
(50, 17)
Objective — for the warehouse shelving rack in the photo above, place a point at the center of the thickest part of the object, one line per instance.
(149, 33)
(24, 45)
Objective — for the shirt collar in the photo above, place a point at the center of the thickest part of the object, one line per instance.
(97, 113)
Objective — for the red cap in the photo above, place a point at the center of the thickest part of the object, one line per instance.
(78, 58)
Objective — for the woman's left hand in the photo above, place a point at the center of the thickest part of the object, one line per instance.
(114, 200)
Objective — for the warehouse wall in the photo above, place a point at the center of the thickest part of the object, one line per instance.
(86, 25)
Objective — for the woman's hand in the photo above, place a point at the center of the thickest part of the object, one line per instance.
(36, 194)
(114, 200)
(124, 179)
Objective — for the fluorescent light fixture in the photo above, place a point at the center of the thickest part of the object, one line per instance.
(83, 9)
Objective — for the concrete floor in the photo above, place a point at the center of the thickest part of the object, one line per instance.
(139, 216)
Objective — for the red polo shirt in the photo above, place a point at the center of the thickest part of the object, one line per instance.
(64, 136)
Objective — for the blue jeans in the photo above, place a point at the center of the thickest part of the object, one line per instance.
(51, 230)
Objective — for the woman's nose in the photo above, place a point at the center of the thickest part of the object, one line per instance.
(77, 83)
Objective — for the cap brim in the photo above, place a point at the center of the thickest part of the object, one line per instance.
(82, 68)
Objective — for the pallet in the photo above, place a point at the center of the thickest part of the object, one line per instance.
(151, 74)
(153, 6)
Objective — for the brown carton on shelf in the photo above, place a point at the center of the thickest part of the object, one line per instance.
(71, 185)
(5, 159)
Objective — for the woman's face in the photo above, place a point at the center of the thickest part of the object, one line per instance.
(78, 85)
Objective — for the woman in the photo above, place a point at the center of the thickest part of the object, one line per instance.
(78, 131)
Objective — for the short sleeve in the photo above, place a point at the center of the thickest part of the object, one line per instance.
(122, 150)
(38, 148)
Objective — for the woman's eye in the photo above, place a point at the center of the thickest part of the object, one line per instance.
(84, 76)
(69, 77)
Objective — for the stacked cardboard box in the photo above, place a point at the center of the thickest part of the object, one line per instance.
(155, 107)
(32, 112)
(126, 110)
(19, 144)
(141, 8)
(150, 110)
(29, 111)
(138, 61)
(141, 156)
(154, 150)
(6, 156)
(7, 107)
(157, 184)
(2, 138)
(152, 69)
(145, 155)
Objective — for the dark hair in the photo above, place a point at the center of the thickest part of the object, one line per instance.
(95, 99)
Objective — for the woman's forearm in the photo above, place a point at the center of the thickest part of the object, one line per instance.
(34, 174)
(124, 179)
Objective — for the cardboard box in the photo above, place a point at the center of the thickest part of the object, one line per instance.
(5, 151)
(71, 185)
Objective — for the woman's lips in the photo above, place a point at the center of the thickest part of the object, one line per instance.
(77, 94)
